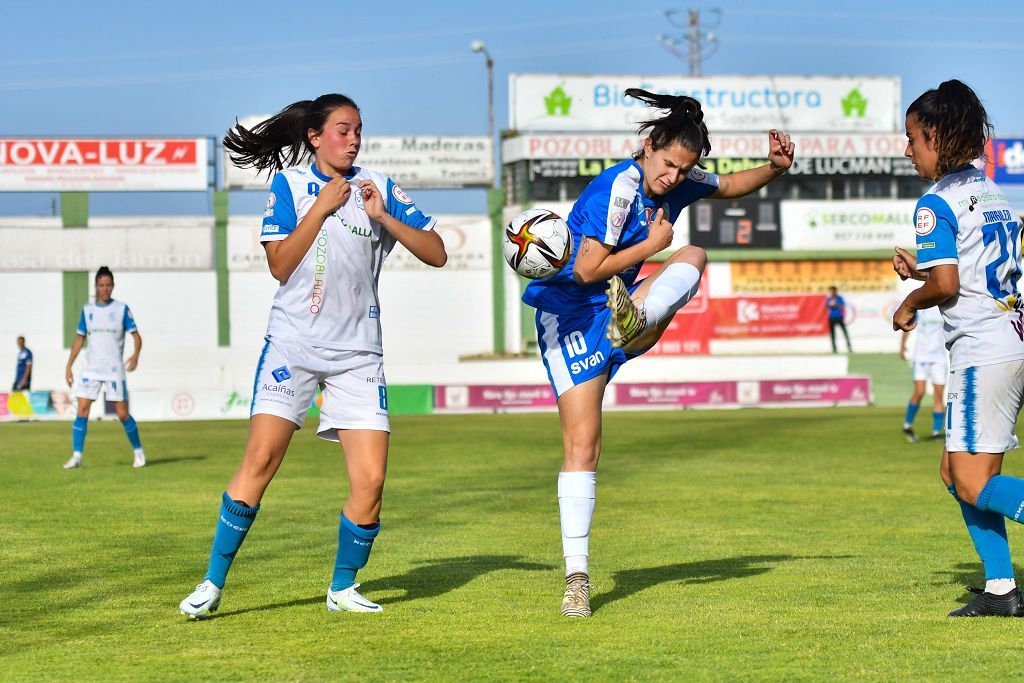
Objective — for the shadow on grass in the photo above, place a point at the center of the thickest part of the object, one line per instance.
(168, 461)
(429, 579)
(966, 574)
(629, 582)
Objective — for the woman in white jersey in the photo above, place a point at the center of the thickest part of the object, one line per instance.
(969, 257)
(327, 228)
(104, 323)
(930, 363)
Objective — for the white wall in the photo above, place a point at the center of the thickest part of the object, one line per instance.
(31, 307)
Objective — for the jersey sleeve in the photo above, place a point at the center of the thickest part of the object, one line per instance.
(82, 329)
(401, 207)
(936, 227)
(608, 207)
(129, 321)
(698, 185)
(28, 357)
(279, 216)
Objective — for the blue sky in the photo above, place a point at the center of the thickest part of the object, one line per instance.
(189, 68)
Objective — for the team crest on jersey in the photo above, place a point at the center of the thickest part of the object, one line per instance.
(925, 221)
(698, 174)
(269, 210)
(401, 196)
(619, 218)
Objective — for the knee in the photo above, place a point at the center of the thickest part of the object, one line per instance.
(944, 473)
(969, 488)
(369, 487)
(695, 256)
(581, 457)
(258, 462)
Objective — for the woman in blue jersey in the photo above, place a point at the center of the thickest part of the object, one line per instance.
(969, 257)
(327, 228)
(593, 316)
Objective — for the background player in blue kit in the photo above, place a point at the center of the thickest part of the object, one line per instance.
(930, 363)
(327, 229)
(23, 373)
(104, 323)
(969, 257)
(835, 305)
(592, 316)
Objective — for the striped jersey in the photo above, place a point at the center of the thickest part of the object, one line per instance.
(331, 299)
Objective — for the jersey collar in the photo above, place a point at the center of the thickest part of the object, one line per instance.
(316, 171)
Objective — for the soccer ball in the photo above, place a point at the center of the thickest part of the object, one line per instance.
(538, 244)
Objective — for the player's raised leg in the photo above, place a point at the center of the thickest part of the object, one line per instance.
(269, 436)
(579, 410)
(366, 458)
(639, 320)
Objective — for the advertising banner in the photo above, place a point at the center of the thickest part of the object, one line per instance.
(855, 275)
(845, 390)
(768, 316)
(729, 151)
(103, 164)
(413, 161)
(549, 102)
(676, 394)
(847, 225)
(1005, 160)
(494, 397)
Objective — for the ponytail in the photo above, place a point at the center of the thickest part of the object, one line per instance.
(103, 271)
(282, 140)
(683, 124)
(954, 115)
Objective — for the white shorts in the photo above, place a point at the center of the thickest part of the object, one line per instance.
(113, 389)
(934, 371)
(355, 393)
(982, 408)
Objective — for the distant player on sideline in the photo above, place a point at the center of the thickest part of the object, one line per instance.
(327, 228)
(593, 316)
(23, 373)
(835, 305)
(930, 364)
(969, 257)
(104, 323)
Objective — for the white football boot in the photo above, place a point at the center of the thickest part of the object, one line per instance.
(203, 602)
(73, 462)
(140, 458)
(348, 600)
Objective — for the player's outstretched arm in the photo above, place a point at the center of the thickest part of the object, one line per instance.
(781, 150)
(76, 346)
(133, 360)
(426, 245)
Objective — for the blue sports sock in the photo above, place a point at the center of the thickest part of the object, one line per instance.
(1004, 495)
(988, 531)
(78, 434)
(132, 430)
(232, 526)
(911, 413)
(354, 545)
(937, 419)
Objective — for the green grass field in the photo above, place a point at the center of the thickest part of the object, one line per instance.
(727, 545)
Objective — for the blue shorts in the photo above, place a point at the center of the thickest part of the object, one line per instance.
(575, 349)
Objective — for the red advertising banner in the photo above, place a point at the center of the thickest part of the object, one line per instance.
(768, 316)
(689, 394)
(98, 164)
(794, 391)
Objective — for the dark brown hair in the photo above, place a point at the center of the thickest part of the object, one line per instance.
(955, 117)
(281, 140)
(683, 124)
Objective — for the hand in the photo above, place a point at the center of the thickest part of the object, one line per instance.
(659, 232)
(904, 318)
(332, 196)
(69, 377)
(372, 200)
(905, 264)
(781, 150)
(131, 363)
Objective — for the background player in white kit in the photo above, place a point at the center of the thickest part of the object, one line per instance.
(969, 256)
(104, 323)
(327, 228)
(930, 363)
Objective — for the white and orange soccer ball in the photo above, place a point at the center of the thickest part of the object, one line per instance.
(538, 243)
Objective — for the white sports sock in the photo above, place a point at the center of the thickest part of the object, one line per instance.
(576, 494)
(76, 454)
(1000, 586)
(670, 292)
